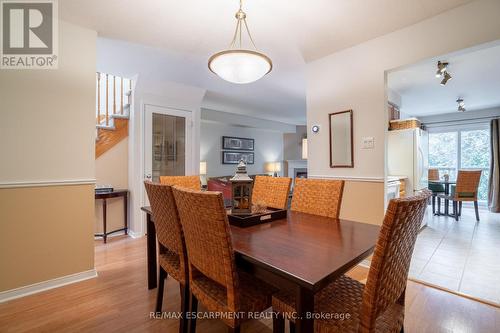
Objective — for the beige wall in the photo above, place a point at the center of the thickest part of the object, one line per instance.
(355, 79)
(45, 233)
(362, 201)
(112, 168)
(47, 116)
(47, 133)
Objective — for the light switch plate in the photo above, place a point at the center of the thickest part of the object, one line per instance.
(368, 142)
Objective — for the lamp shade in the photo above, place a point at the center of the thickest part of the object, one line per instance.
(203, 168)
(240, 66)
(304, 148)
(273, 167)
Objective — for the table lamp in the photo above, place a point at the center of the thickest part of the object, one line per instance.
(203, 172)
(273, 167)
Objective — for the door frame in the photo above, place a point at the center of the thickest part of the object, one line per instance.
(190, 165)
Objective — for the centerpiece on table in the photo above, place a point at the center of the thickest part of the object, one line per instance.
(242, 186)
(244, 213)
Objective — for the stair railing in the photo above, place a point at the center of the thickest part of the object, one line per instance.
(106, 108)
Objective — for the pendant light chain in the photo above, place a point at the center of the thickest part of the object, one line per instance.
(241, 17)
(249, 35)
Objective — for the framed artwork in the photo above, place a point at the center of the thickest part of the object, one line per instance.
(234, 157)
(234, 143)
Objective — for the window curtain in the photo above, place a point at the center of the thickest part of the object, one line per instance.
(494, 182)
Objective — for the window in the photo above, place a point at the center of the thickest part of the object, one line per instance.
(462, 149)
(475, 154)
(443, 152)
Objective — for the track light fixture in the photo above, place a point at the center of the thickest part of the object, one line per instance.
(442, 72)
(446, 78)
(461, 105)
(442, 67)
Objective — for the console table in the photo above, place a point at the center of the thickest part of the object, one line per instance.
(108, 195)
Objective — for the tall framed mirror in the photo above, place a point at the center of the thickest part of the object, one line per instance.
(341, 140)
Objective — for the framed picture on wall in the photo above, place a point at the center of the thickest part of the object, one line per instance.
(235, 143)
(234, 157)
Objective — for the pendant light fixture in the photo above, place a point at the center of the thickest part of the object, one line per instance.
(237, 64)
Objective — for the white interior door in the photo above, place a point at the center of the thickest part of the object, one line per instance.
(168, 142)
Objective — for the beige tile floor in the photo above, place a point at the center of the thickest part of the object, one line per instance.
(461, 256)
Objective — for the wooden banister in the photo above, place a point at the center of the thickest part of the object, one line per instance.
(107, 111)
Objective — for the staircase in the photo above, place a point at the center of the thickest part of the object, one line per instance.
(114, 95)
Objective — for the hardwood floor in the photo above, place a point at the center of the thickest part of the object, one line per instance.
(118, 301)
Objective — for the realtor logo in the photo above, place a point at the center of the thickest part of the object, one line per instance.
(28, 34)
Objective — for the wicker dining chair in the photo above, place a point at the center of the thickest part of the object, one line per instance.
(465, 190)
(213, 276)
(433, 174)
(318, 196)
(172, 256)
(378, 306)
(271, 191)
(191, 182)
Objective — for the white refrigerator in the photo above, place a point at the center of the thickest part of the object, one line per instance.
(408, 155)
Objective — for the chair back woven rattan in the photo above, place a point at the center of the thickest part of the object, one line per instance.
(318, 196)
(168, 228)
(271, 191)
(390, 264)
(467, 182)
(208, 239)
(190, 182)
(433, 174)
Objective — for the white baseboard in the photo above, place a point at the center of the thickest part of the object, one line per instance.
(134, 234)
(46, 285)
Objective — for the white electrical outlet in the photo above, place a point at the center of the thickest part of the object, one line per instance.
(368, 142)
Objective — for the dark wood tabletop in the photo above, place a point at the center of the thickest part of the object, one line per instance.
(303, 253)
(311, 250)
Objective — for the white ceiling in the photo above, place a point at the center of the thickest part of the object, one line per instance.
(291, 32)
(475, 78)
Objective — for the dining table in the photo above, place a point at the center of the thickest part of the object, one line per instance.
(302, 253)
(446, 184)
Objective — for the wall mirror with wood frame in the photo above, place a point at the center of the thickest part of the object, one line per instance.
(341, 140)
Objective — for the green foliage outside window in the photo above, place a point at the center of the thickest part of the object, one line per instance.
(474, 154)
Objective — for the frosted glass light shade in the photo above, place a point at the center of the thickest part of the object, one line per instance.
(240, 66)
